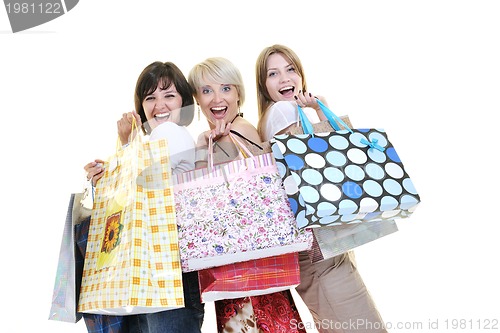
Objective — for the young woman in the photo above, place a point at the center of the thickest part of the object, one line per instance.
(219, 91)
(164, 104)
(332, 289)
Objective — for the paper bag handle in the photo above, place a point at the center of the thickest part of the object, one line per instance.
(333, 119)
(243, 151)
(134, 127)
(114, 161)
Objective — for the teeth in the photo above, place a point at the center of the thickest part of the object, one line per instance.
(220, 108)
(286, 88)
(163, 115)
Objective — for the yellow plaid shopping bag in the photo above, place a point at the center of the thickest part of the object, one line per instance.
(132, 264)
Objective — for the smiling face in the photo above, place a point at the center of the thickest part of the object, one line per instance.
(283, 81)
(162, 105)
(218, 101)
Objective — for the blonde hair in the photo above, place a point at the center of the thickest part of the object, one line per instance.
(264, 100)
(217, 69)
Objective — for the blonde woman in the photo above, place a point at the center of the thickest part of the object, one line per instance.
(219, 92)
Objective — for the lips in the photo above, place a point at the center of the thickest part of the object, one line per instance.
(162, 117)
(219, 111)
(287, 91)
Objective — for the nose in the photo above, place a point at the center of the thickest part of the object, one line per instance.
(217, 97)
(284, 77)
(160, 103)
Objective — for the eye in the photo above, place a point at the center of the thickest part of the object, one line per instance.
(226, 88)
(291, 69)
(149, 98)
(270, 74)
(206, 90)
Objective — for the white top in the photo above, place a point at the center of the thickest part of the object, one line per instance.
(181, 145)
(281, 115)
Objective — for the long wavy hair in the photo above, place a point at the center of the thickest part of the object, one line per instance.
(264, 100)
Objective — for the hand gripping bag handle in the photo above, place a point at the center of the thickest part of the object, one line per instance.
(333, 119)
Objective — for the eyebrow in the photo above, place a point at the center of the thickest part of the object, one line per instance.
(275, 68)
(169, 90)
(217, 85)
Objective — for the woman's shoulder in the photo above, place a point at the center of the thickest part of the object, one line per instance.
(282, 112)
(245, 128)
(278, 116)
(284, 107)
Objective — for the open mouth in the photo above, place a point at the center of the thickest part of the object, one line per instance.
(162, 117)
(287, 92)
(219, 112)
(165, 115)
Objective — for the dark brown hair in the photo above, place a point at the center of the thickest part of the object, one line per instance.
(163, 74)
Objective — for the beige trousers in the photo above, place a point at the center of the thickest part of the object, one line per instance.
(337, 297)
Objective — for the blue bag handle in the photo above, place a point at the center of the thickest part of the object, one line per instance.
(332, 119)
(306, 124)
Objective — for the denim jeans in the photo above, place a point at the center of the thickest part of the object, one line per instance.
(184, 320)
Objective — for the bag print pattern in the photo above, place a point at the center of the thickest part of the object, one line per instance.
(344, 176)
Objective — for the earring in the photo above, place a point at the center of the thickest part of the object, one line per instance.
(199, 112)
(239, 112)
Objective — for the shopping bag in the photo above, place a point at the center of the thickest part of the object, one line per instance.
(94, 322)
(67, 281)
(250, 278)
(233, 212)
(132, 262)
(332, 241)
(271, 313)
(346, 176)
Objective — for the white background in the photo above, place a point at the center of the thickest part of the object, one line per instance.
(426, 71)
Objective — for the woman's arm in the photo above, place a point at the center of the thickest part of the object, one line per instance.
(320, 113)
(201, 153)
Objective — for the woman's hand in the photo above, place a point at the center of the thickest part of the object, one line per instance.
(220, 129)
(124, 126)
(95, 170)
(307, 99)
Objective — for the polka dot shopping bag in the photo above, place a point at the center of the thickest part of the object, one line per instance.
(343, 176)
